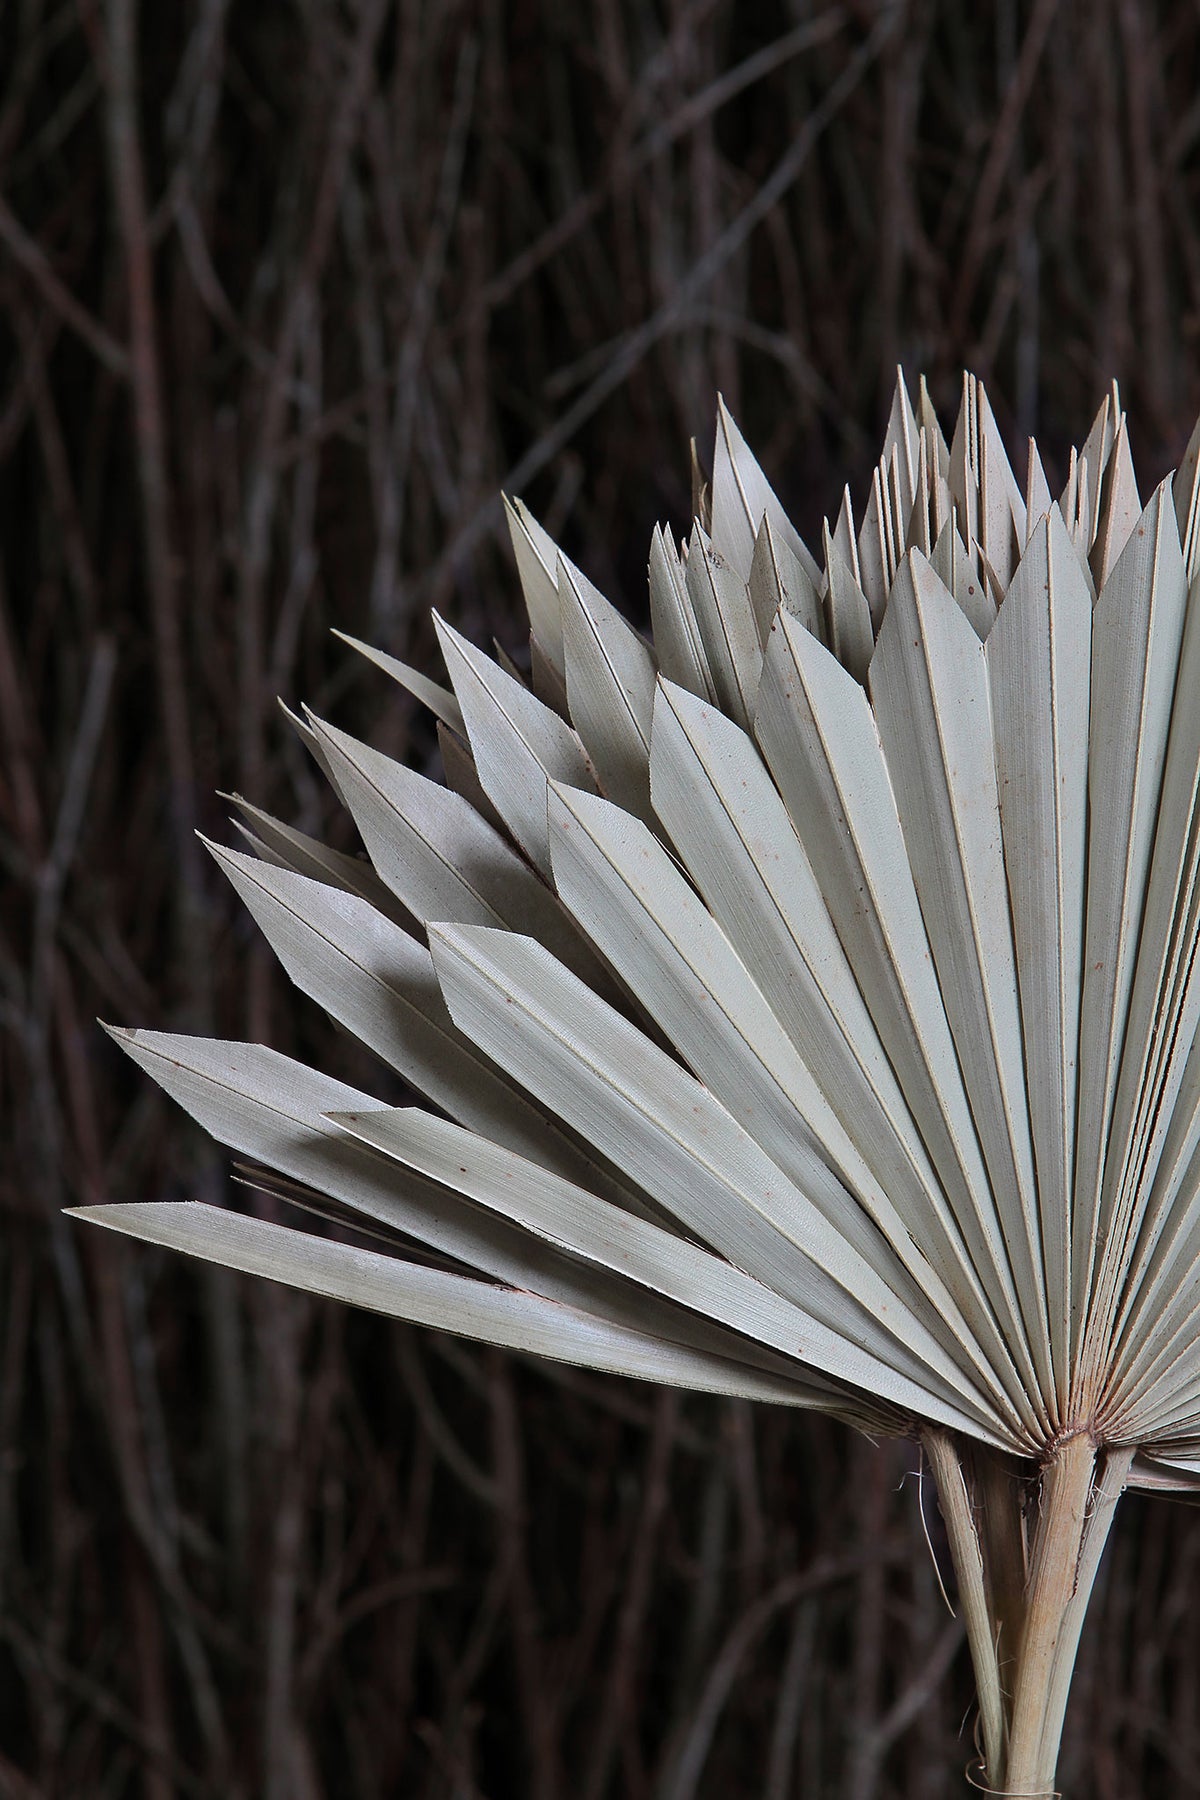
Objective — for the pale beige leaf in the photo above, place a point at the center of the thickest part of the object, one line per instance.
(438, 699)
(876, 552)
(379, 982)
(610, 689)
(1164, 1004)
(508, 1317)
(669, 950)
(844, 536)
(929, 689)
(851, 633)
(770, 1331)
(1137, 626)
(536, 555)
(1038, 498)
(616, 1088)
(957, 568)
(902, 437)
(741, 497)
(728, 822)
(820, 738)
(288, 848)
(1119, 509)
(728, 629)
(777, 579)
(518, 743)
(677, 641)
(1038, 658)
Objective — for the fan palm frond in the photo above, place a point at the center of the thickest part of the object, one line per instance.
(807, 1002)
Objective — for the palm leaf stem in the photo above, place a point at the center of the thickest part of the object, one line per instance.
(1026, 1560)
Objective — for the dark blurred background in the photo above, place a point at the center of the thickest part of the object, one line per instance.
(287, 294)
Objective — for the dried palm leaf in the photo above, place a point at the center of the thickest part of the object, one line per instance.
(809, 1002)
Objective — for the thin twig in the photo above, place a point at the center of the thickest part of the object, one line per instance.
(26, 252)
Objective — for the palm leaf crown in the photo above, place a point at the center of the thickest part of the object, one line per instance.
(808, 1004)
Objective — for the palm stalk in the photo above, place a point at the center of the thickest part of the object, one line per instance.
(806, 1003)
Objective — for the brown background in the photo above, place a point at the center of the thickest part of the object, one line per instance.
(287, 293)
